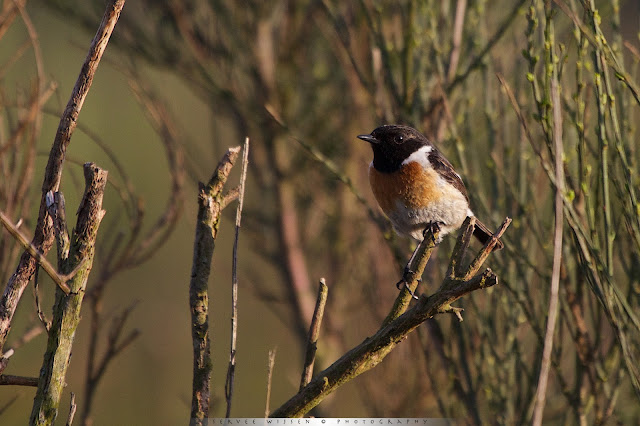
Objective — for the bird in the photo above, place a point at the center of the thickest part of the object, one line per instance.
(416, 186)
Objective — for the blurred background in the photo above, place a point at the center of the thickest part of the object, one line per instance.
(182, 81)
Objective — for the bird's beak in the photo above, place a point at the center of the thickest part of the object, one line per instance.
(368, 138)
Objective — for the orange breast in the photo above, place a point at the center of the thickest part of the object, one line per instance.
(412, 185)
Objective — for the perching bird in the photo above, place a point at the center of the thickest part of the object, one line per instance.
(416, 186)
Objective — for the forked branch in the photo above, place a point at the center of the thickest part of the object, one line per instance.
(210, 200)
(373, 349)
(66, 311)
(43, 234)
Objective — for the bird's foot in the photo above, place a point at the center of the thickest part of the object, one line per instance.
(403, 284)
(432, 228)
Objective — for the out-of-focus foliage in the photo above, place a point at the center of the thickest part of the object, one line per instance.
(302, 78)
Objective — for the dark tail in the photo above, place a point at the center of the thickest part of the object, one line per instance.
(483, 234)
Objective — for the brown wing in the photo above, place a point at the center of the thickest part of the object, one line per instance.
(446, 170)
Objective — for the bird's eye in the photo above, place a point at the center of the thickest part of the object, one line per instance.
(399, 139)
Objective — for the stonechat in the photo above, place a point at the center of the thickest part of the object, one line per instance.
(415, 185)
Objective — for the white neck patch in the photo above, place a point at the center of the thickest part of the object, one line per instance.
(421, 156)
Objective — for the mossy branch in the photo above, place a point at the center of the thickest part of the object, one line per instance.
(66, 311)
(210, 205)
(374, 349)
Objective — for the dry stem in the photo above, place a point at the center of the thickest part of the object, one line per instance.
(43, 234)
(234, 282)
(314, 332)
(209, 210)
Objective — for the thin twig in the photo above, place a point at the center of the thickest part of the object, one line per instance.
(634, 50)
(480, 258)
(455, 274)
(480, 58)
(314, 332)
(9, 12)
(72, 409)
(8, 404)
(230, 197)
(610, 57)
(456, 41)
(115, 345)
(270, 363)
(462, 244)
(33, 251)
(557, 244)
(36, 297)
(7, 379)
(332, 168)
(228, 389)
(32, 331)
(160, 118)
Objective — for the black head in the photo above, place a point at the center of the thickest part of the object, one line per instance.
(392, 144)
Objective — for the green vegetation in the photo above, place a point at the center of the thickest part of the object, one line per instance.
(497, 85)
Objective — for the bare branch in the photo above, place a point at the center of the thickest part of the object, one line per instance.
(43, 235)
(270, 363)
(7, 379)
(234, 283)
(66, 311)
(33, 331)
(9, 404)
(72, 409)
(314, 332)
(33, 252)
(458, 27)
(230, 197)
(412, 273)
(374, 349)
(114, 348)
(160, 118)
(541, 392)
(36, 296)
(209, 210)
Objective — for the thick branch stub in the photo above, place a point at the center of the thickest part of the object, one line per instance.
(66, 310)
(314, 333)
(210, 199)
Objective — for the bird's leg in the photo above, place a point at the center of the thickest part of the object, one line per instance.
(407, 268)
(409, 274)
(432, 228)
(403, 283)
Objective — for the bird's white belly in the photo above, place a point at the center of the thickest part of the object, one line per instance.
(449, 212)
